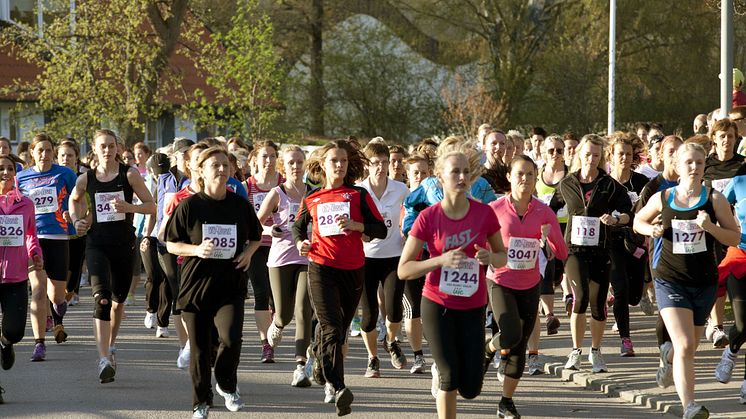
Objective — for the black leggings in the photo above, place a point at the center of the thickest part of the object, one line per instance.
(290, 291)
(259, 277)
(77, 255)
(627, 277)
(381, 271)
(158, 297)
(110, 270)
(552, 276)
(14, 303)
(589, 276)
(335, 294)
(170, 269)
(228, 320)
(515, 312)
(413, 298)
(56, 258)
(456, 339)
(737, 294)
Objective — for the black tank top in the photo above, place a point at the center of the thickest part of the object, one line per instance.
(694, 269)
(109, 227)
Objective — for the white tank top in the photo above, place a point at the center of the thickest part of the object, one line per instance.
(283, 251)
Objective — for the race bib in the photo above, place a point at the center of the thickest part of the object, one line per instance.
(546, 198)
(104, 210)
(687, 237)
(327, 214)
(293, 209)
(562, 213)
(388, 221)
(258, 198)
(461, 282)
(167, 200)
(522, 253)
(223, 236)
(585, 230)
(720, 184)
(45, 199)
(11, 230)
(633, 196)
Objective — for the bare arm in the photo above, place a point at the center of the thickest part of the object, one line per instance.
(726, 231)
(409, 266)
(647, 221)
(143, 193)
(78, 206)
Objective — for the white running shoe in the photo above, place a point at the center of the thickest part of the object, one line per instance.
(308, 369)
(743, 392)
(696, 411)
(418, 366)
(274, 335)
(233, 400)
(501, 370)
(615, 327)
(150, 320)
(329, 393)
(355, 329)
(185, 354)
(161, 332)
(724, 369)
(105, 371)
(300, 379)
(720, 339)
(664, 375)
(596, 359)
(709, 330)
(200, 411)
(534, 365)
(435, 383)
(573, 360)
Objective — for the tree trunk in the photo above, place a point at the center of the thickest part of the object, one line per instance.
(316, 89)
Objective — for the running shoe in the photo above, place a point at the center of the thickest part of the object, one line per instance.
(161, 332)
(50, 324)
(185, 354)
(105, 371)
(274, 335)
(355, 328)
(40, 352)
(150, 321)
(308, 369)
(488, 357)
(553, 324)
(374, 368)
(696, 411)
(610, 300)
(720, 339)
(317, 372)
(418, 366)
(60, 309)
(7, 356)
(597, 361)
(381, 331)
(534, 365)
(615, 327)
(435, 383)
(113, 357)
(664, 375)
(343, 401)
(329, 394)
(130, 300)
(724, 369)
(233, 400)
(488, 320)
(569, 301)
(268, 354)
(506, 409)
(74, 300)
(200, 411)
(646, 305)
(627, 349)
(709, 330)
(573, 360)
(84, 280)
(300, 379)
(59, 333)
(743, 393)
(398, 359)
(501, 370)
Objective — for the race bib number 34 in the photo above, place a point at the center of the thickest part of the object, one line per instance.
(585, 230)
(461, 282)
(327, 214)
(687, 237)
(522, 253)
(223, 236)
(105, 212)
(45, 200)
(11, 230)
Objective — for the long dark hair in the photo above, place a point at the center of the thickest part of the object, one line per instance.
(356, 162)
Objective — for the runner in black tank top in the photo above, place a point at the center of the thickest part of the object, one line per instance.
(101, 206)
(685, 269)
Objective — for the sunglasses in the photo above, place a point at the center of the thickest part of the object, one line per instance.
(555, 150)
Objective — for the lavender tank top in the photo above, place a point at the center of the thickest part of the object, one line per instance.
(283, 251)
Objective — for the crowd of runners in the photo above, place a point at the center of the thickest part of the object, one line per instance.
(459, 245)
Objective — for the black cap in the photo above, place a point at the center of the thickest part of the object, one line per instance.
(159, 163)
(181, 144)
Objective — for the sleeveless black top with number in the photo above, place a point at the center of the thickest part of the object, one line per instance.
(108, 227)
(682, 259)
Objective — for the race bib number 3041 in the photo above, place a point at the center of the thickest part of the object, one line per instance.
(522, 253)
(223, 236)
(585, 230)
(461, 282)
(327, 214)
(105, 210)
(11, 230)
